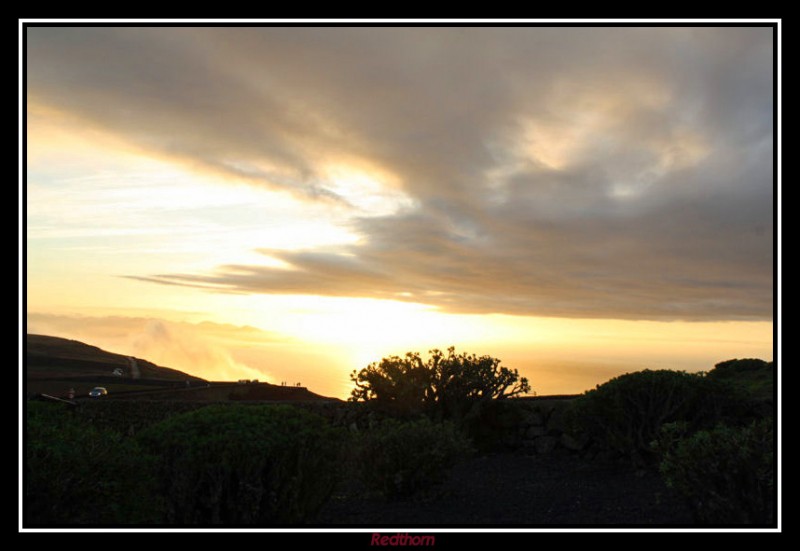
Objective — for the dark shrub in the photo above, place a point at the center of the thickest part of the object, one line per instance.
(244, 464)
(77, 474)
(726, 473)
(754, 378)
(398, 459)
(626, 413)
(730, 368)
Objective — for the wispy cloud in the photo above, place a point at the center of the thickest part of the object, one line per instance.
(581, 172)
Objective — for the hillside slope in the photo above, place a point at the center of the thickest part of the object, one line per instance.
(57, 366)
(54, 356)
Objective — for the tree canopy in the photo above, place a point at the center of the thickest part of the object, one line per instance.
(445, 382)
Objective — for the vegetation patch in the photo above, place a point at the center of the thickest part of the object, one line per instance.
(79, 474)
(401, 458)
(244, 465)
(726, 473)
(625, 414)
(128, 417)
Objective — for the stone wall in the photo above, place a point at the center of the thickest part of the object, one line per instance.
(542, 428)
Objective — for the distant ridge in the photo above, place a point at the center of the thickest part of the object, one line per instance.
(53, 356)
(57, 366)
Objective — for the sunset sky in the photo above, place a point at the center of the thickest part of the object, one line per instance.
(290, 204)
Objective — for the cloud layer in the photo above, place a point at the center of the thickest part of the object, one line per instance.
(579, 172)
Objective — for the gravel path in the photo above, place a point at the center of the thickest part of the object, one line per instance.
(519, 490)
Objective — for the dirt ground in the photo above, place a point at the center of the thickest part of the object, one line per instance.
(514, 490)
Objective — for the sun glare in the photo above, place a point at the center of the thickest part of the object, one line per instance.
(368, 329)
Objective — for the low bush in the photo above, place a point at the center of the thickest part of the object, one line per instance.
(78, 474)
(244, 464)
(398, 459)
(626, 413)
(726, 473)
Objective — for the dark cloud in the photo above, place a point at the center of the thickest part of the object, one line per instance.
(589, 172)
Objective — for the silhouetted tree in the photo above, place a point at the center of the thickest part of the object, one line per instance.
(446, 385)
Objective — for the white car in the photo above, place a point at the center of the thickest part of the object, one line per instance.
(97, 392)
